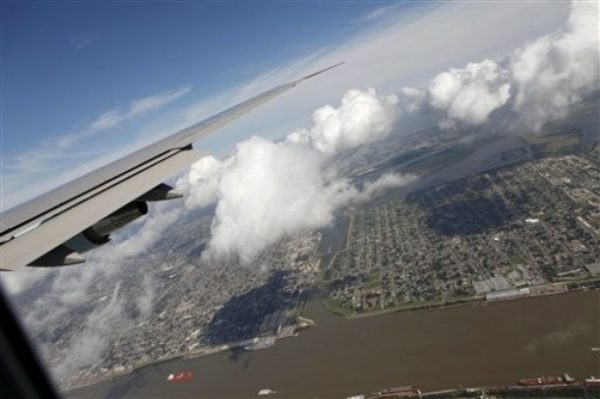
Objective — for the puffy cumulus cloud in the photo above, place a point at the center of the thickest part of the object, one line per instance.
(557, 71)
(537, 83)
(470, 94)
(275, 190)
(363, 117)
(269, 190)
(201, 183)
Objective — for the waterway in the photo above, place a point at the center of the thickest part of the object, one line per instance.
(471, 345)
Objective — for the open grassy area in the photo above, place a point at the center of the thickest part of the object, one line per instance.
(516, 259)
(372, 282)
(334, 307)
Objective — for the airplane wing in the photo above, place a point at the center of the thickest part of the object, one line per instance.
(54, 228)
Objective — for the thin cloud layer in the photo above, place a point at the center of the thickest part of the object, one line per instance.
(149, 232)
(115, 117)
(45, 159)
(71, 288)
(91, 342)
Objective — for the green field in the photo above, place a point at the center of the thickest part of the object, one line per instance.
(334, 307)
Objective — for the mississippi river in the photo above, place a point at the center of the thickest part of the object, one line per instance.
(471, 345)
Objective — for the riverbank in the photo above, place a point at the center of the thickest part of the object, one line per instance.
(303, 323)
(495, 345)
(573, 390)
(532, 292)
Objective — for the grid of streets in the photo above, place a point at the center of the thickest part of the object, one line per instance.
(510, 232)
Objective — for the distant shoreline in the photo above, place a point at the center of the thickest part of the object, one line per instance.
(563, 390)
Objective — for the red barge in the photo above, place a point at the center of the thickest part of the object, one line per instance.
(183, 376)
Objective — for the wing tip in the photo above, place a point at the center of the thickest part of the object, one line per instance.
(320, 71)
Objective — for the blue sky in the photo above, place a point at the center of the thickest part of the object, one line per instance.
(65, 62)
(86, 82)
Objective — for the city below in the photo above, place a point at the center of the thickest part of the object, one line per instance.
(526, 230)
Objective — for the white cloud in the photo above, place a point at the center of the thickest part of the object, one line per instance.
(115, 117)
(362, 118)
(90, 343)
(382, 13)
(556, 71)
(274, 190)
(149, 232)
(269, 190)
(145, 301)
(81, 42)
(201, 183)
(538, 82)
(387, 57)
(385, 182)
(17, 282)
(70, 287)
(470, 94)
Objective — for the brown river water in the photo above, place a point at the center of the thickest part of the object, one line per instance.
(470, 345)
